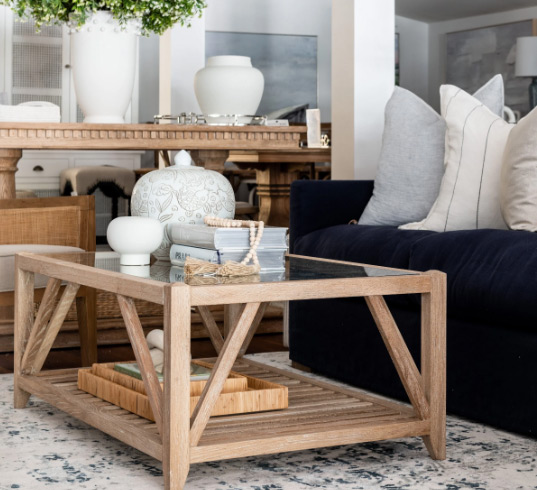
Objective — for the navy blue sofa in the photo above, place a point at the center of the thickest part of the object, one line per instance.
(491, 297)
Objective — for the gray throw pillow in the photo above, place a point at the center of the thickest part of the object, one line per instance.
(411, 162)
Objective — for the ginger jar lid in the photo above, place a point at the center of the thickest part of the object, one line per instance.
(183, 160)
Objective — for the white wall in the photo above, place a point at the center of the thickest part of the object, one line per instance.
(437, 41)
(414, 55)
(414, 52)
(301, 17)
(363, 80)
(2, 47)
(187, 57)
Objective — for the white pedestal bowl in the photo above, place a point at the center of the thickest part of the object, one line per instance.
(134, 238)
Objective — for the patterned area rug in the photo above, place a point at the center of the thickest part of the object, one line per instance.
(40, 447)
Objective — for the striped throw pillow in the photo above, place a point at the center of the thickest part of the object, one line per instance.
(469, 196)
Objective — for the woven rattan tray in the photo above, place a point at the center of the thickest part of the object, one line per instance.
(241, 394)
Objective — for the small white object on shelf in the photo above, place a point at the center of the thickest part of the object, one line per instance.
(277, 122)
(36, 111)
(134, 238)
(313, 121)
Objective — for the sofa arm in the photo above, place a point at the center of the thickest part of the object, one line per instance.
(317, 204)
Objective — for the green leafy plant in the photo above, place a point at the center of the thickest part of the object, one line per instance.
(155, 15)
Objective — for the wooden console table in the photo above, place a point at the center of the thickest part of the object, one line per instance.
(275, 171)
(16, 137)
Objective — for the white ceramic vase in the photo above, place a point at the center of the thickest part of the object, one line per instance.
(229, 85)
(182, 193)
(103, 60)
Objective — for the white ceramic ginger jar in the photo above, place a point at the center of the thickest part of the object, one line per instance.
(103, 61)
(229, 85)
(182, 193)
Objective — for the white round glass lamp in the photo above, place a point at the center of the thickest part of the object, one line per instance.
(134, 238)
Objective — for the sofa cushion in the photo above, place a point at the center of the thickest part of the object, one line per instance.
(491, 274)
(519, 176)
(375, 245)
(411, 162)
(7, 262)
(469, 196)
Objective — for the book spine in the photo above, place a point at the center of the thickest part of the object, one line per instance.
(134, 372)
(216, 238)
(203, 237)
(179, 253)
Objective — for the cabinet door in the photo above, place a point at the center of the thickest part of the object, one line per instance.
(36, 64)
(37, 67)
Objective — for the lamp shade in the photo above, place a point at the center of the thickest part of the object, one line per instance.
(526, 57)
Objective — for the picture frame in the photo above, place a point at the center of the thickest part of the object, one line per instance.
(288, 63)
(474, 56)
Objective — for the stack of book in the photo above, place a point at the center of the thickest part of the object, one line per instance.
(218, 245)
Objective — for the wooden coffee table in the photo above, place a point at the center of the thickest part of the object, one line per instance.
(319, 413)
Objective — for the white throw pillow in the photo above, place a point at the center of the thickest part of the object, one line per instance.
(469, 196)
(519, 176)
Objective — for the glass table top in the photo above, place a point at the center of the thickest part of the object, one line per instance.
(296, 269)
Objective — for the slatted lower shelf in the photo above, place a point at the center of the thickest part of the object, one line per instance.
(319, 415)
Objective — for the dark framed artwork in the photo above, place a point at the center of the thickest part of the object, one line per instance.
(397, 50)
(288, 63)
(475, 56)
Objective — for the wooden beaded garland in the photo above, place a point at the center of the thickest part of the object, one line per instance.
(255, 238)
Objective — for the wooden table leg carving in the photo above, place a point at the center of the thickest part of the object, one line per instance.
(8, 167)
(273, 189)
(210, 159)
(433, 361)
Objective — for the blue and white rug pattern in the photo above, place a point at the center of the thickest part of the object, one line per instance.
(41, 447)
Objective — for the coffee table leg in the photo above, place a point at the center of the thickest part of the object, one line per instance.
(176, 410)
(433, 361)
(87, 326)
(24, 320)
(232, 314)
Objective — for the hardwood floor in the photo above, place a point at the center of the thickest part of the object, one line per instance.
(68, 358)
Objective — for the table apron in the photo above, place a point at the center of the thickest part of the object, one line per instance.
(315, 289)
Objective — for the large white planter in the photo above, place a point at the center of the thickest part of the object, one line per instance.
(229, 85)
(103, 60)
(182, 193)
